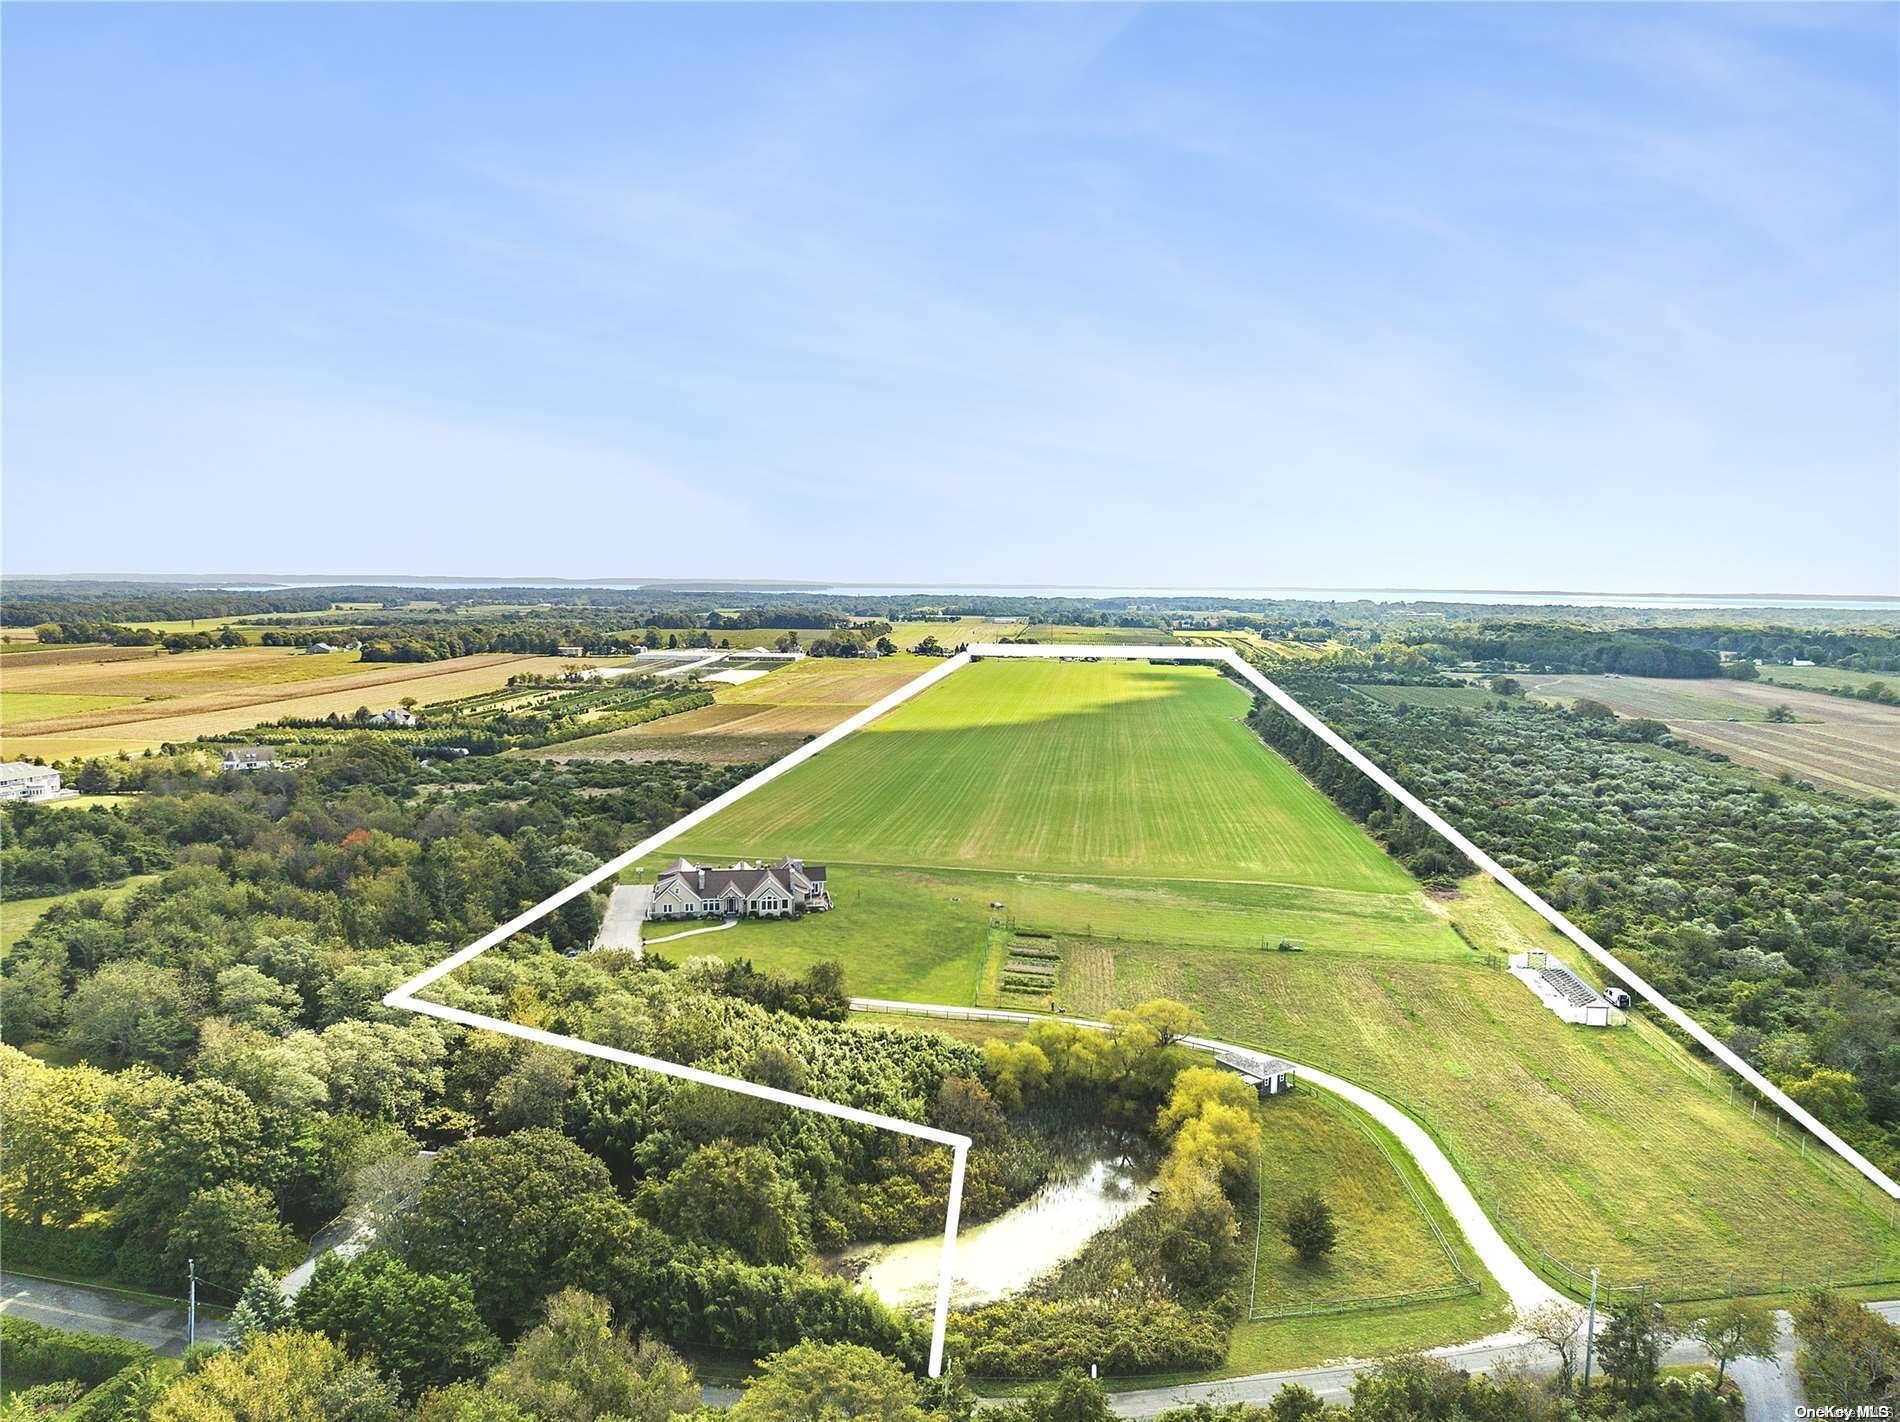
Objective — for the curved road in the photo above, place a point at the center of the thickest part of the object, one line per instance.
(1521, 1285)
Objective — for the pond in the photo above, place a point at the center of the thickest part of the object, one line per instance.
(1005, 1255)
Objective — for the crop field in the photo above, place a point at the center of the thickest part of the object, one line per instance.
(1834, 742)
(1826, 678)
(759, 720)
(161, 698)
(1116, 769)
(1101, 636)
(950, 634)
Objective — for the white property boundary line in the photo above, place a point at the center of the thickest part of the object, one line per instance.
(1232, 659)
(405, 996)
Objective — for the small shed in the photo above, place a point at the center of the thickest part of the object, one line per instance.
(1267, 1075)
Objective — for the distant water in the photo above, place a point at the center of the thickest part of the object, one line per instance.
(1384, 596)
(1381, 595)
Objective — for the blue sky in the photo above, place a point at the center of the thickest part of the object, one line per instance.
(1512, 297)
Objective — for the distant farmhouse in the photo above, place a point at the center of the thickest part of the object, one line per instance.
(1268, 1076)
(318, 649)
(742, 890)
(394, 716)
(248, 758)
(20, 780)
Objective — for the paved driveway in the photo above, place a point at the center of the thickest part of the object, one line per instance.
(626, 912)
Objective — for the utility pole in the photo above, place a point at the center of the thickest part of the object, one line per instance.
(191, 1307)
(1590, 1332)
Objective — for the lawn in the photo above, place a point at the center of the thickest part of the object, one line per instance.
(1121, 770)
(17, 916)
(1386, 1246)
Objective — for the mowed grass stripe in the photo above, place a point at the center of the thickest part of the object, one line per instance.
(1066, 768)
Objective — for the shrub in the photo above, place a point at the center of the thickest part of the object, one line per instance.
(32, 1352)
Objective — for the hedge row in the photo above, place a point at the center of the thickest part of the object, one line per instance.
(32, 1352)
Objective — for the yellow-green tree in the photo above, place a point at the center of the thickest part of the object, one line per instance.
(65, 1153)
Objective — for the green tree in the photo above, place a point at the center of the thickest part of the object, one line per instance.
(65, 1154)
(196, 1137)
(575, 1367)
(130, 1012)
(1781, 715)
(1071, 1397)
(1740, 1328)
(534, 1091)
(93, 779)
(261, 1308)
(1631, 1348)
(1847, 1354)
(289, 1376)
(826, 1382)
(1309, 1227)
(737, 1198)
(1294, 1403)
(253, 999)
(501, 1213)
(230, 1230)
(422, 1330)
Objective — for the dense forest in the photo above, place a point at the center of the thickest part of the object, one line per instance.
(1773, 916)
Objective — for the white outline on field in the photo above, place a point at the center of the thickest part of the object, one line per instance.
(405, 996)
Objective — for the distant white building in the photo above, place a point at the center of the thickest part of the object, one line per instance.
(318, 649)
(742, 890)
(1801, 662)
(248, 758)
(20, 780)
(394, 716)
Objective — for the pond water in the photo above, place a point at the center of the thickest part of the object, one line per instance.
(1003, 1256)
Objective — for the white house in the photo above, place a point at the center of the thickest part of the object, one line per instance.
(20, 780)
(742, 890)
(394, 716)
(248, 758)
(318, 649)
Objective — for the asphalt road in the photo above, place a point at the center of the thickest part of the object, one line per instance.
(1770, 1390)
(84, 1310)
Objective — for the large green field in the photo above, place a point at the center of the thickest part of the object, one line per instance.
(1111, 769)
(1126, 811)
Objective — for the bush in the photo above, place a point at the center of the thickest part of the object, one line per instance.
(1027, 1338)
(32, 1352)
(81, 1251)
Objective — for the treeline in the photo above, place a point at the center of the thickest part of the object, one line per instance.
(1691, 651)
(1774, 919)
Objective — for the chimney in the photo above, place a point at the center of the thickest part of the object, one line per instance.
(702, 881)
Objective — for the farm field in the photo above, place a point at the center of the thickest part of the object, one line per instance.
(1835, 742)
(1825, 678)
(1105, 636)
(1612, 1148)
(759, 720)
(949, 634)
(1110, 769)
(174, 698)
(1082, 797)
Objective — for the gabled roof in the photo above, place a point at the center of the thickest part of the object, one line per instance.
(24, 770)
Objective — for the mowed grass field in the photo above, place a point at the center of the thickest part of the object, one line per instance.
(87, 702)
(1835, 742)
(1107, 769)
(1612, 1148)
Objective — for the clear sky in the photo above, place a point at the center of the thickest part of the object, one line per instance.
(1479, 297)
